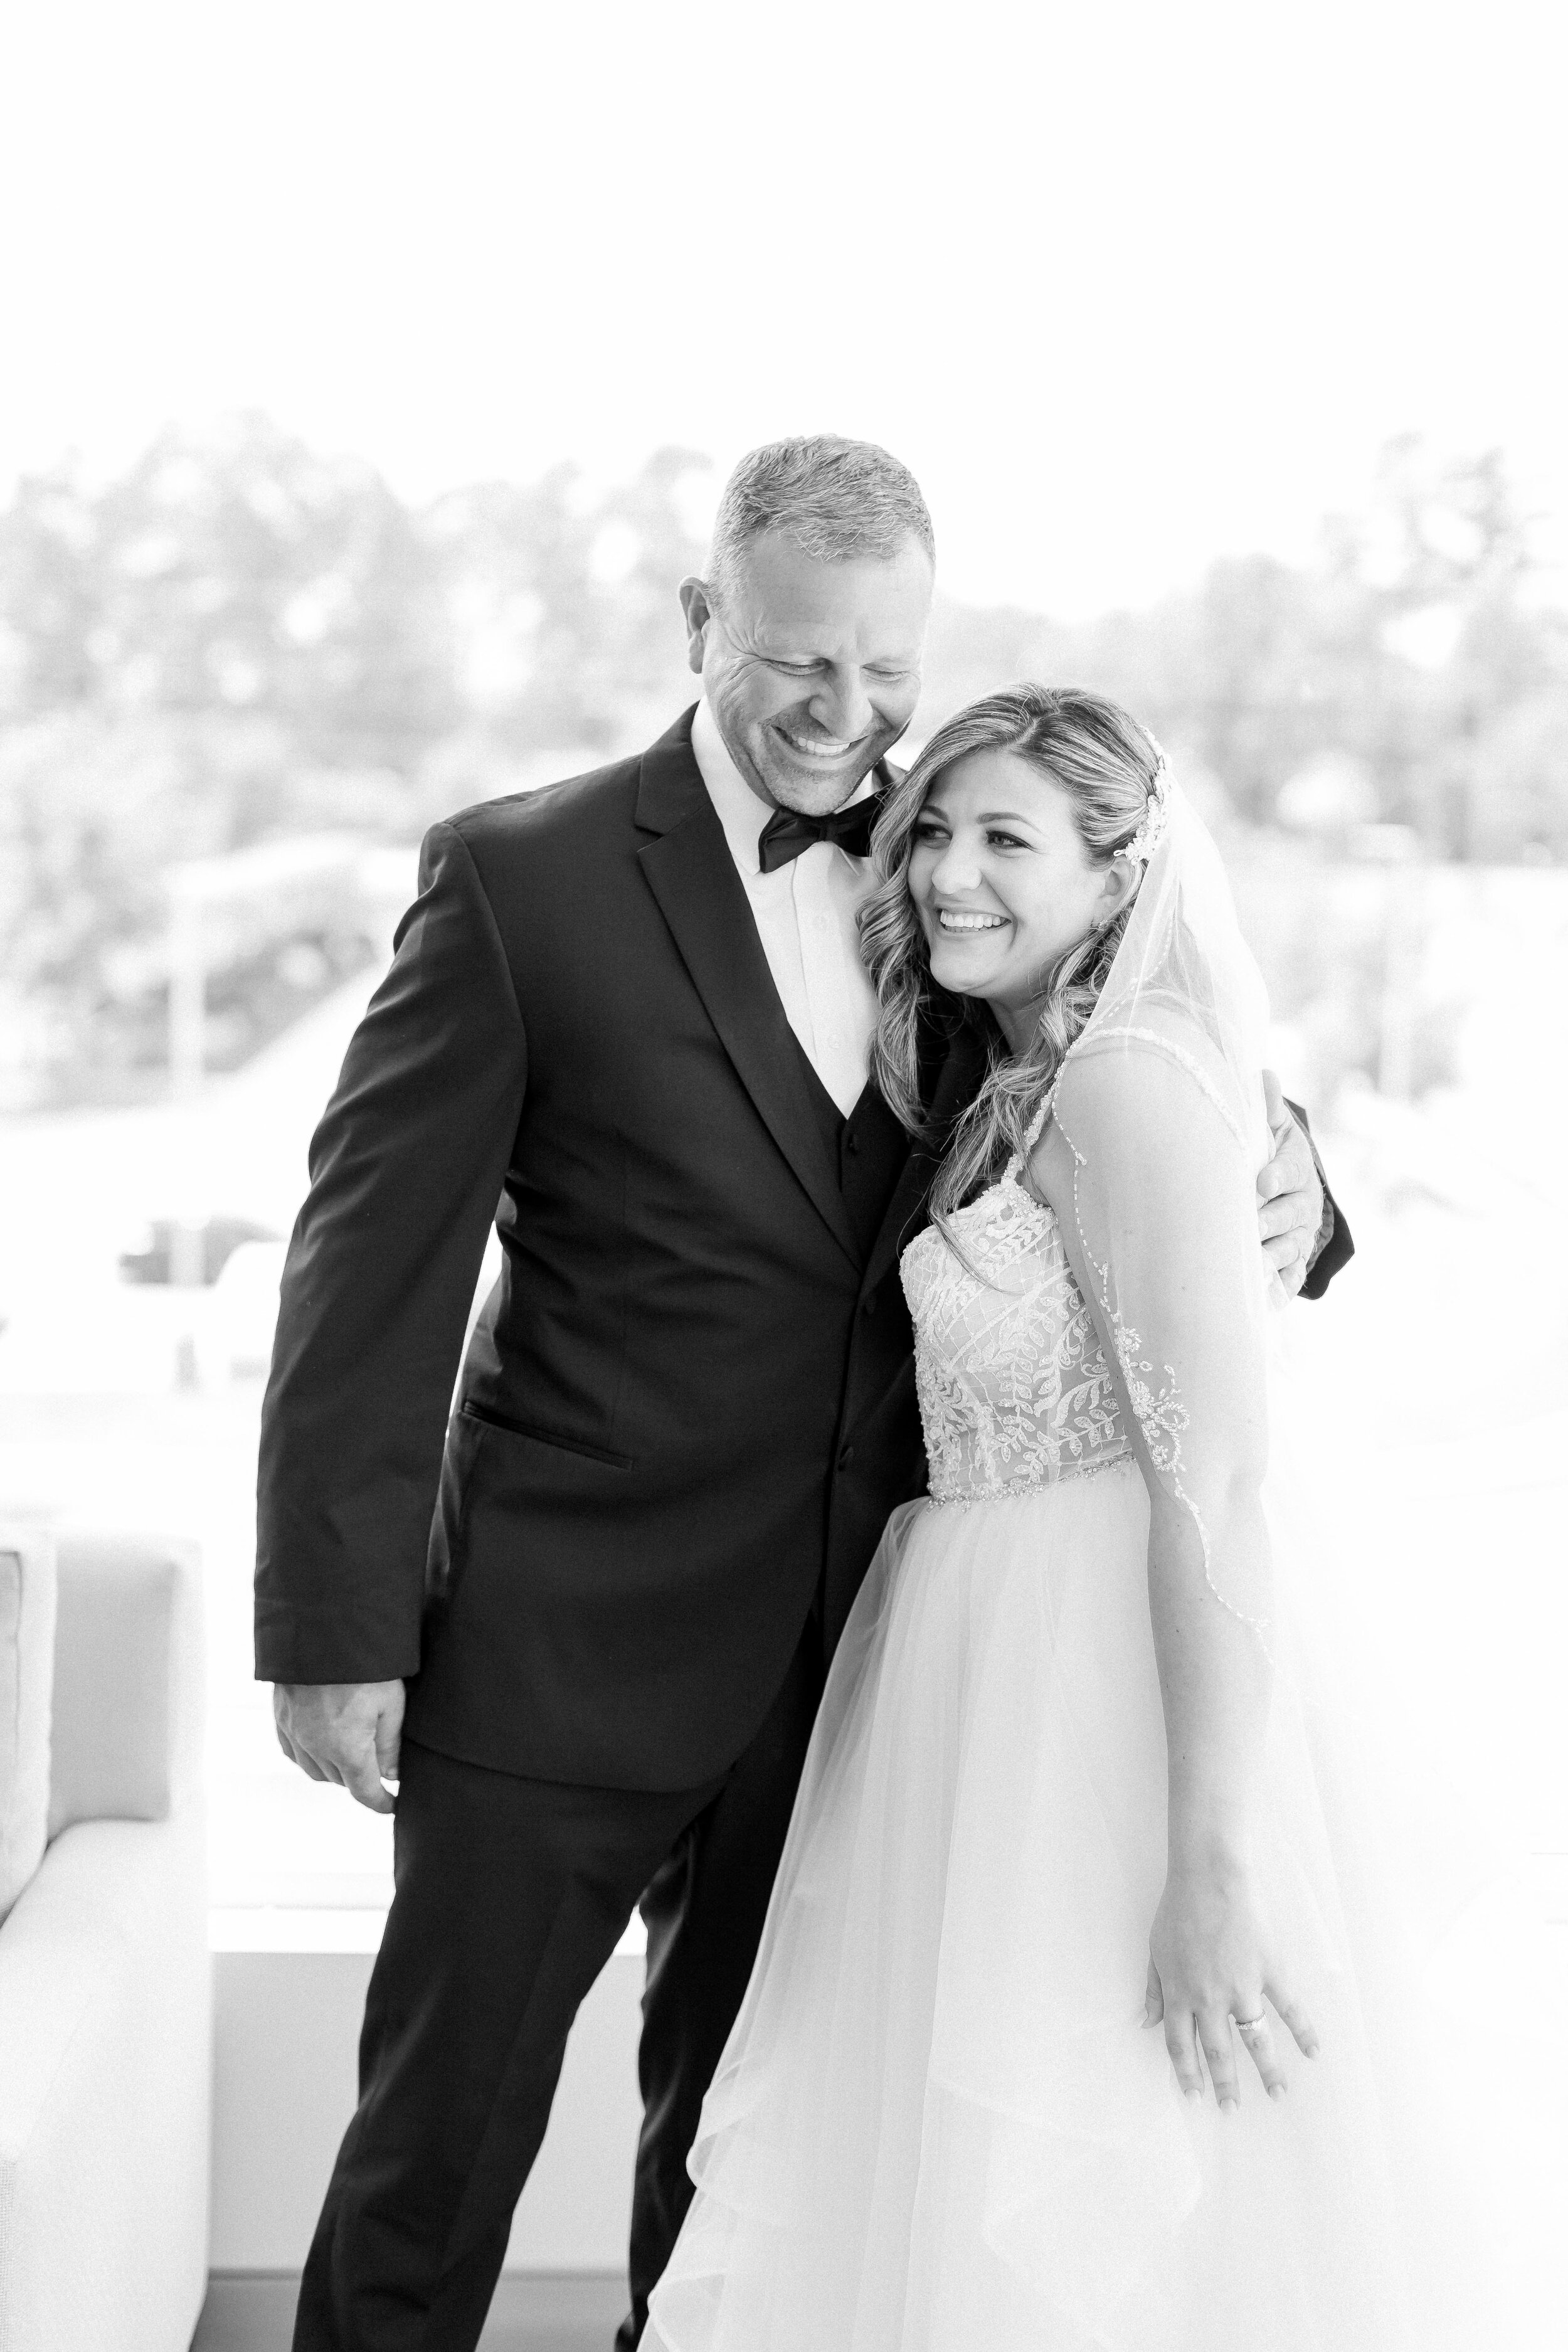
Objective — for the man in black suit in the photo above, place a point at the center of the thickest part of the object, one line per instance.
(585, 1620)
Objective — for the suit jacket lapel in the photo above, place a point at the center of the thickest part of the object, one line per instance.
(692, 875)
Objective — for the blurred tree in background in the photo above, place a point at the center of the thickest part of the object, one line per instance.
(563, 609)
(1415, 653)
(242, 574)
(239, 640)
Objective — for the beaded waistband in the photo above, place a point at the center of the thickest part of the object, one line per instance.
(1007, 1488)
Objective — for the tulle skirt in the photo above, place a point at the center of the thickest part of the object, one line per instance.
(940, 2124)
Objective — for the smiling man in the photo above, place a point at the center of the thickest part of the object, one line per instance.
(583, 1619)
(810, 653)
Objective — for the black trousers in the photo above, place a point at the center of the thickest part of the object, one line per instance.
(510, 1896)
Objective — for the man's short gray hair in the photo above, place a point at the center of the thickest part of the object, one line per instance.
(835, 499)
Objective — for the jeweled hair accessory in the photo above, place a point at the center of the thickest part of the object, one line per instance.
(1151, 832)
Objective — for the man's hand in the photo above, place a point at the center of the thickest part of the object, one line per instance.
(347, 1732)
(1289, 1193)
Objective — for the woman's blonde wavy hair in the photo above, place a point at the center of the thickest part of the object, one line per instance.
(1106, 764)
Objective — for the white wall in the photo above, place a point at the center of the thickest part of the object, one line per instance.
(286, 2032)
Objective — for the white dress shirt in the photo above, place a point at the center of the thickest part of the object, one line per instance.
(805, 913)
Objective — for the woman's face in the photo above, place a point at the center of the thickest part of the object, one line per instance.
(1002, 883)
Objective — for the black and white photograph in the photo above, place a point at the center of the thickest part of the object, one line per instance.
(784, 1146)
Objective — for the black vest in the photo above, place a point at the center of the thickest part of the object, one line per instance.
(868, 1147)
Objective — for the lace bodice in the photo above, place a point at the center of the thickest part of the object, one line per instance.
(1014, 1392)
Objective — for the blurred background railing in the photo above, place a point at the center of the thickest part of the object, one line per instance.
(237, 680)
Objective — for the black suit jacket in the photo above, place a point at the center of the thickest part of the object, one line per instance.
(687, 1406)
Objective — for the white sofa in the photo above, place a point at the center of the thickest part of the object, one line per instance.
(105, 1978)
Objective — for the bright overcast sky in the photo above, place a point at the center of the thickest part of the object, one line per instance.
(1129, 288)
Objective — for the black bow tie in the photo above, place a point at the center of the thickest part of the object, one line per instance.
(787, 833)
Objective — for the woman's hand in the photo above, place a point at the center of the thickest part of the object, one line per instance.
(1210, 1961)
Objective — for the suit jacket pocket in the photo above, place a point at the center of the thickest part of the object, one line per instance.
(487, 1419)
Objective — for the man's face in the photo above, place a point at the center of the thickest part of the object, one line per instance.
(811, 670)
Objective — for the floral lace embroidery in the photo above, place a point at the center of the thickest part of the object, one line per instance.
(1015, 1391)
(1162, 1415)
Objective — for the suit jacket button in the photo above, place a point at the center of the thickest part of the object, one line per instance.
(846, 1456)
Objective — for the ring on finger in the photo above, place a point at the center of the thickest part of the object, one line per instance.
(1258, 2024)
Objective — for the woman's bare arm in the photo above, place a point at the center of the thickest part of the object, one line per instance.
(1182, 1324)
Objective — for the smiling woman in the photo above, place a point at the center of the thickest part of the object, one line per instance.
(1011, 858)
(1005, 885)
(1070, 1743)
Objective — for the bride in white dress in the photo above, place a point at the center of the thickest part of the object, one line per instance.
(1081, 2017)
